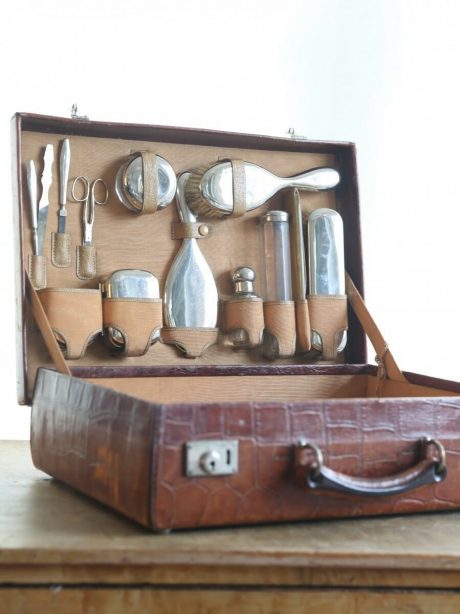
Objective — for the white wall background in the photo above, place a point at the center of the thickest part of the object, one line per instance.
(382, 73)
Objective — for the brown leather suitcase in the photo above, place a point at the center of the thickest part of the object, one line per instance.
(227, 438)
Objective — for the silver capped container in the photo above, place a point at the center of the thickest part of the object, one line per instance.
(132, 284)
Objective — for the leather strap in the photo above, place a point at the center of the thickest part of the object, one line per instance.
(150, 182)
(45, 329)
(239, 188)
(372, 331)
(190, 230)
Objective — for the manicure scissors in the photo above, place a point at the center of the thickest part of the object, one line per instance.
(90, 200)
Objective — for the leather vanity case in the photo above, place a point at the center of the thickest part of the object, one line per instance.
(228, 437)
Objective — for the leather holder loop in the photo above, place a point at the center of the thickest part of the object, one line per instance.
(328, 318)
(279, 326)
(61, 256)
(246, 314)
(86, 262)
(44, 326)
(75, 317)
(190, 230)
(192, 341)
(150, 182)
(37, 271)
(302, 319)
(137, 320)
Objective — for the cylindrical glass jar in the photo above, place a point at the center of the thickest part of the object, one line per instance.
(277, 285)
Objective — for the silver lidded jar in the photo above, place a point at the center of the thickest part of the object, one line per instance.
(128, 284)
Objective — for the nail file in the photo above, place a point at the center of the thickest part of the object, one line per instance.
(32, 185)
(64, 168)
(43, 205)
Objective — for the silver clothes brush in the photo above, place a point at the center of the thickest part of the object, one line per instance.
(209, 191)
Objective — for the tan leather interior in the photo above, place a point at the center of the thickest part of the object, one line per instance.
(282, 388)
(123, 240)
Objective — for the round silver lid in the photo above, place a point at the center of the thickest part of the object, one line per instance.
(275, 216)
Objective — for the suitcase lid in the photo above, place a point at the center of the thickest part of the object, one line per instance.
(97, 150)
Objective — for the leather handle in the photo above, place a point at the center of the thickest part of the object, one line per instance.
(429, 470)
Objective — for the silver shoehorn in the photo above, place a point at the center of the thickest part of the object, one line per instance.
(190, 297)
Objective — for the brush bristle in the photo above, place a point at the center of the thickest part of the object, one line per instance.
(195, 199)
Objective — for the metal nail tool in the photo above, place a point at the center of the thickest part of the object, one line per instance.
(43, 205)
(33, 200)
(89, 200)
(190, 298)
(64, 167)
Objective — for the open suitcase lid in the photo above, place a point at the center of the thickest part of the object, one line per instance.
(98, 149)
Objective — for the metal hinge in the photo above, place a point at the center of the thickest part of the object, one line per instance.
(297, 137)
(205, 458)
(74, 113)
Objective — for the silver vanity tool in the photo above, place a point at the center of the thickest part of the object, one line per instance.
(64, 167)
(216, 185)
(326, 261)
(89, 200)
(129, 283)
(32, 185)
(243, 286)
(43, 205)
(190, 298)
(129, 183)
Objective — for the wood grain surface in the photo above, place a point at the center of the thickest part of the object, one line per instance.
(42, 522)
(59, 600)
(62, 553)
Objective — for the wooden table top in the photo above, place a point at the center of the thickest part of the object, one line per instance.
(47, 529)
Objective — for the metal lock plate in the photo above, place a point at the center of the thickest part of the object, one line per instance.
(211, 457)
